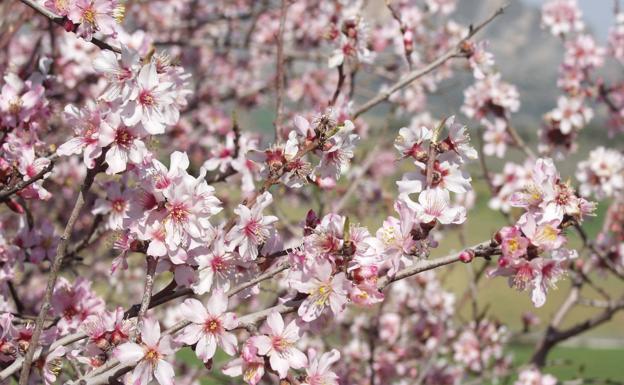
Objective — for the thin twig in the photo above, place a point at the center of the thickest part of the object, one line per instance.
(61, 251)
(147, 288)
(279, 80)
(454, 52)
(8, 191)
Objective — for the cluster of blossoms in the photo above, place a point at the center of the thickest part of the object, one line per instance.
(602, 174)
(417, 339)
(490, 101)
(533, 250)
(149, 138)
(576, 78)
(532, 376)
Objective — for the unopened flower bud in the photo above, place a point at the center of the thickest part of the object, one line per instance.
(15, 207)
(69, 26)
(466, 256)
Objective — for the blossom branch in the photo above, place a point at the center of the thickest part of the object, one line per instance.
(58, 20)
(8, 191)
(454, 52)
(483, 249)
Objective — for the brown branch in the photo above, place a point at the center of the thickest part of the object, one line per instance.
(555, 336)
(59, 20)
(61, 251)
(147, 289)
(6, 193)
(483, 249)
(455, 52)
(279, 80)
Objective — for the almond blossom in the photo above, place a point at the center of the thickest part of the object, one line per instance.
(125, 144)
(323, 290)
(252, 228)
(209, 326)
(279, 345)
(434, 204)
(318, 373)
(148, 356)
(149, 102)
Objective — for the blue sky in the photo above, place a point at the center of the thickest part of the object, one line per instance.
(598, 14)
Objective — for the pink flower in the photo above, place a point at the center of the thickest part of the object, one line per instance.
(209, 326)
(149, 102)
(52, 365)
(279, 345)
(149, 355)
(60, 7)
(496, 138)
(335, 159)
(319, 372)
(119, 74)
(216, 267)
(532, 376)
(86, 123)
(252, 228)
(446, 175)
(396, 235)
(125, 144)
(458, 140)
(20, 100)
(323, 290)
(411, 141)
(545, 235)
(95, 16)
(116, 205)
(584, 53)
(571, 114)
(250, 365)
(513, 244)
(562, 17)
(434, 204)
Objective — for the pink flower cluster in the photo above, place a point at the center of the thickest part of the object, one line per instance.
(550, 205)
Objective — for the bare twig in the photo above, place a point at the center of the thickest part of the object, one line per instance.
(279, 80)
(61, 251)
(147, 288)
(483, 249)
(454, 52)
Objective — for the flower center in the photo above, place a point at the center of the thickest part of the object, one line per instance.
(178, 212)
(512, 245)
(281, 344)
(212, 326)
(146, 98)
(118, 205)
(152, 356)
(15, 105)
(322, 294)
(123, 137)
(88, 15)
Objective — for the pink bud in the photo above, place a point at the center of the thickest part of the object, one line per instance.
(69, 25)
(466, 256)
(14, 206)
